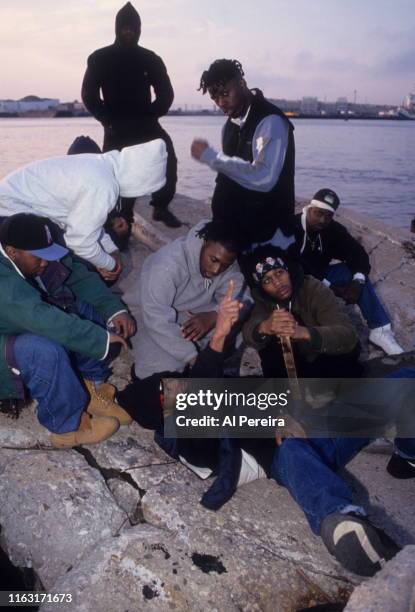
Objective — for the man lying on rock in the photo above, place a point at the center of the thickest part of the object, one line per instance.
(180, 288)
(235, 462)
(54, 342)
(287, 303)
(321, 240)
(77, 193)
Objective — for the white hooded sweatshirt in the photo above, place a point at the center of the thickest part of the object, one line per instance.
(77, 192)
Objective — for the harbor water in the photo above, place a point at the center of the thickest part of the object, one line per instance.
(370, 164)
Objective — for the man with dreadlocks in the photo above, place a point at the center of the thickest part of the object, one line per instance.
(180, 288)
(255, 182)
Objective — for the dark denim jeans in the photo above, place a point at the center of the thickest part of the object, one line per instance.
(308, 469)
(52, 376)
(371, 307)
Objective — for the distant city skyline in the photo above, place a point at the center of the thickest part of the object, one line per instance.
(324, 49)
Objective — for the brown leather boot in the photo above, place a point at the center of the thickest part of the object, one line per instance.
(107, 390)
(100, 404)
(90, 431)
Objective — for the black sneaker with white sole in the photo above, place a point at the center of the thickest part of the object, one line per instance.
(398, 467)
(358, 545)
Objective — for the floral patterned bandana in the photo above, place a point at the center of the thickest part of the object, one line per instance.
(270, 263)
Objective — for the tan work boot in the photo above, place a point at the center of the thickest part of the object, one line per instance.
(90, 431)
(100, 404)
(107, 390)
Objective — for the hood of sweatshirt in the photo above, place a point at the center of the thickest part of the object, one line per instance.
(127, 15)
(141, 169)
(179, 261)
(303, 220)
(192, 247)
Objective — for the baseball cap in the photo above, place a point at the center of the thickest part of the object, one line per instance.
(326, 199)
(31, 233)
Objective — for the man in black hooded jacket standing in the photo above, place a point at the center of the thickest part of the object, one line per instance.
(124, 73)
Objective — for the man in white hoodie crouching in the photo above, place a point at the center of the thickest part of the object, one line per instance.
(78, 192)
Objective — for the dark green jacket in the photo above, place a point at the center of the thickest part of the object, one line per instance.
(315, 307)
(23, 309)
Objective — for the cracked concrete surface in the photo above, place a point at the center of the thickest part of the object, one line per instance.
(120, 526)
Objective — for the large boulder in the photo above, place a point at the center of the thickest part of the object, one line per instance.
(54, 508)
(391, 590)
(150, 568)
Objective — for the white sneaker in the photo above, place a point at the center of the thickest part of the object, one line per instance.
(383, 337)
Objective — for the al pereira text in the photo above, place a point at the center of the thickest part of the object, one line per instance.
(240, 420)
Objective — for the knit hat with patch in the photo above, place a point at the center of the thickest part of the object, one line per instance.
(326, 199)
(264, 266)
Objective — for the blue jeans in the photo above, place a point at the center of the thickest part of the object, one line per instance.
(51, 375)
(371, 307)
(308, 469)
(92, 369)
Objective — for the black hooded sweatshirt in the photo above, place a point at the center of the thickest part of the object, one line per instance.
(125, 73)
(332, 243)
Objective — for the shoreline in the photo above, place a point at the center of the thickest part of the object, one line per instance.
(291, 116)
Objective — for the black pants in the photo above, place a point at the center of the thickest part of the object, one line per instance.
(117, 140)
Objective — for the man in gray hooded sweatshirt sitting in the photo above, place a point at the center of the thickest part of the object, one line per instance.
(180, 288)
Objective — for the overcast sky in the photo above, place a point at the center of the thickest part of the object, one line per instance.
(323, 48)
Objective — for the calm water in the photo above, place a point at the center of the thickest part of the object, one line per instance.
(370, 164)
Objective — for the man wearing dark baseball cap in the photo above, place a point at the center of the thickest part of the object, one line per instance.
(322, 240)
(28, 235)
(53, 317)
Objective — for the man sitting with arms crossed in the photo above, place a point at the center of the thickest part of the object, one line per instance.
(320, 240)
(180, 288)
(51, 336)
